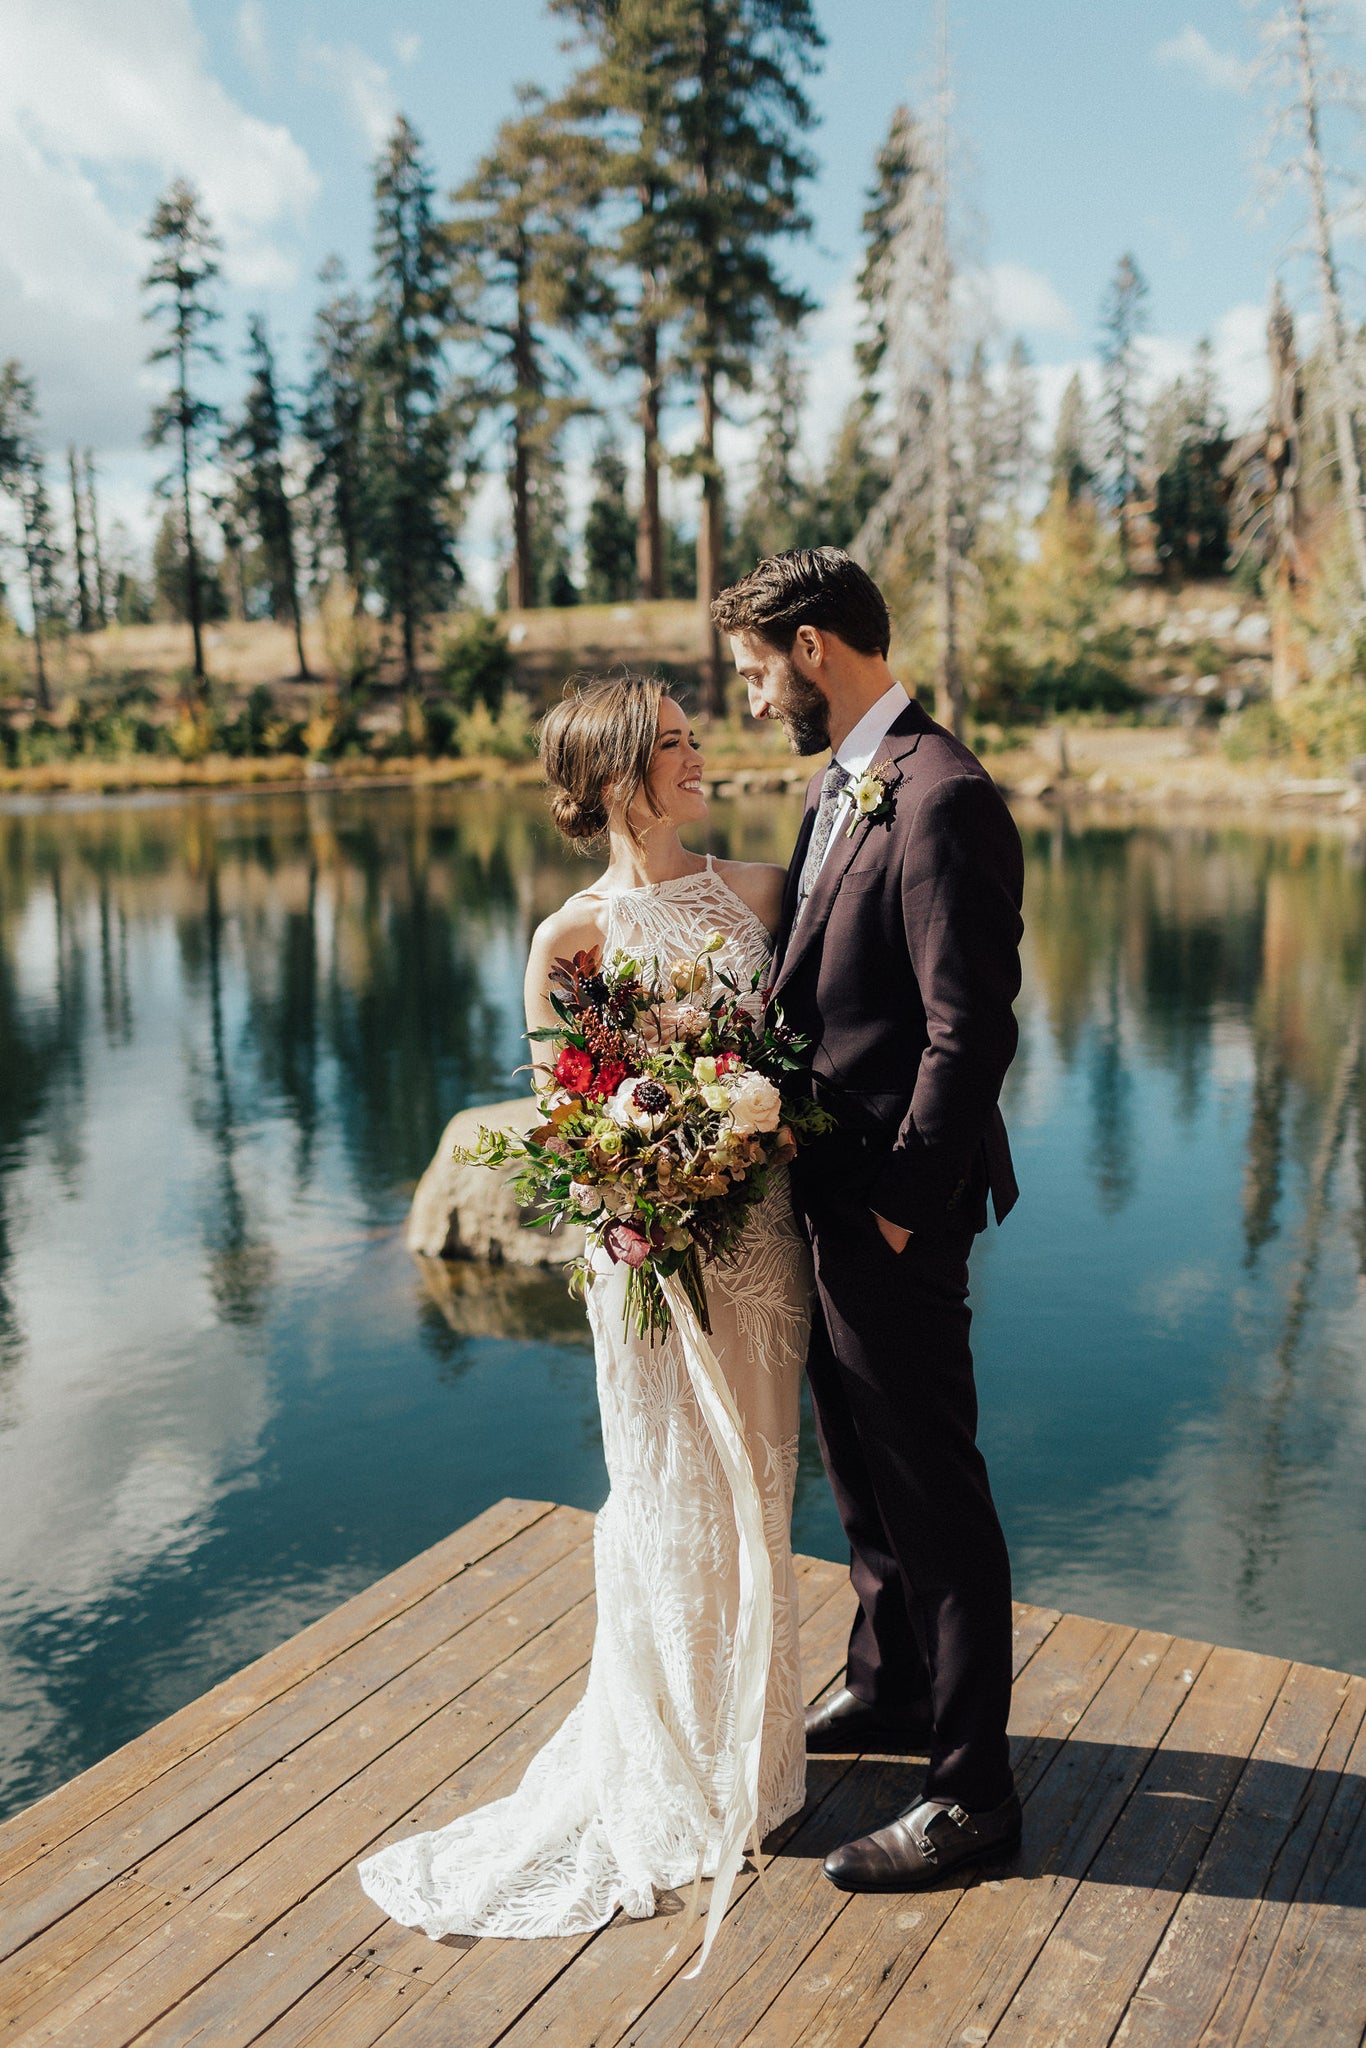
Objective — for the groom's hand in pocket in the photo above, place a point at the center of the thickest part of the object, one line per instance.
(896, 1235)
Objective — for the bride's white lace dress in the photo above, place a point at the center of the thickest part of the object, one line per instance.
(635, 1792)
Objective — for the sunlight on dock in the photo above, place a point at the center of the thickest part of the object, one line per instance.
(1194, 1867)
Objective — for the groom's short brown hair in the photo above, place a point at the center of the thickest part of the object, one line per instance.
(821, 587)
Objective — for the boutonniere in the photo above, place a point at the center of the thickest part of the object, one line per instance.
(870, 799)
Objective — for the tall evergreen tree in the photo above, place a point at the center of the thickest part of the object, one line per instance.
(740, 107)
(609, 534)
(256, 451)
(778, 511)
(1186, 443)
(853, 480)
(179, 282)
(894, 285)
(1072, 465)
(1123, 321)
(623, 100)
(23, 477)
(528, 277)
(1017, 456)
(333, 423)
(412, 418)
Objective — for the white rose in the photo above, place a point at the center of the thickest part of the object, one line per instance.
(755, 1104)
(585, 1199)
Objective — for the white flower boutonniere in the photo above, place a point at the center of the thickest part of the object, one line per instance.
(869, 797)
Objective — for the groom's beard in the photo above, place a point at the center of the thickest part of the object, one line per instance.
(803, 713)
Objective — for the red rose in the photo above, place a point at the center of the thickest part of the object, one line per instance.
(574, 1069)
(610, 1076)
(624, 1243)
(725, 1061)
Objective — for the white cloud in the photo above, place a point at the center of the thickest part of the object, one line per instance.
(1193, 52)
(252, 31)
(99, 107)
(1024, 301)
(406, 46)
(363, 86)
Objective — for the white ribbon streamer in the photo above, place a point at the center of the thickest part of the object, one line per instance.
(754, 1627)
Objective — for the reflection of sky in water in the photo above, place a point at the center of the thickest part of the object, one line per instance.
(230, 1033)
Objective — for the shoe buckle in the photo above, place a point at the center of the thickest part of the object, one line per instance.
(959, 1818)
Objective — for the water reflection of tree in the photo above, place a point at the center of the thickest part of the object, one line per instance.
(1166, 946)
(42, 1037)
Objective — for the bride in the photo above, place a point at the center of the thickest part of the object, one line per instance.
(663, 1773)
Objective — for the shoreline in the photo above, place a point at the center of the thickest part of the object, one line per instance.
(1107, 775)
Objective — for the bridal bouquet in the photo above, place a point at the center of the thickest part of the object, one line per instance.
(666, 1107)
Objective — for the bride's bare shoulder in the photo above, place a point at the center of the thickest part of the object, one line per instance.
(759, 884)
(577, 924)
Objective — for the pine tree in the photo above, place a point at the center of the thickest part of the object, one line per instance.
(23, 477)
(778, 511)
(609, 534)
(1072, 467)
(623, 100)
(255, 450)
(528, 277)
(1123, 321)
(738, 68)
(1017, 455)
(412, 421)
(179, 281)
(1185, 445)
(333, 424)
(853, 481)
(891, 355)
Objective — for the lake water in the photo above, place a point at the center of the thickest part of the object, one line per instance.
(231, 1030)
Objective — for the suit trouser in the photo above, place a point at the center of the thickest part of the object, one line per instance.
(890, 1367)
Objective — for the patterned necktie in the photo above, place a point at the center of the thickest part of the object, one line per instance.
(832, 789)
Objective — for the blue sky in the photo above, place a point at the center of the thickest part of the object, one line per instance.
(1085, 131)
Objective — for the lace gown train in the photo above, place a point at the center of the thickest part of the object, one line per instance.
(633, 1793)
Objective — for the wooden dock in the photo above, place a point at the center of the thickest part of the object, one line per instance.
(1194, 1867)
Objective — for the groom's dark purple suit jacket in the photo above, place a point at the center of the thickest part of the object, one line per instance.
(901, 972)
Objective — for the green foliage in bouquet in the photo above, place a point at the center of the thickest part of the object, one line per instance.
(667, 1106)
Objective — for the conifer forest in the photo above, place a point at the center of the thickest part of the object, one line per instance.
(612, 277)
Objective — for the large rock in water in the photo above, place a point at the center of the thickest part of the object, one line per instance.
(470, 1212)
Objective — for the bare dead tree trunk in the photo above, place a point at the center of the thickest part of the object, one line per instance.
(948, 681)
(85, 609)
(1283, 456)
(92, 505)
(1344, 422)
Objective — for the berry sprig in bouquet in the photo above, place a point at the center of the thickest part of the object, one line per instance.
(667, 1106)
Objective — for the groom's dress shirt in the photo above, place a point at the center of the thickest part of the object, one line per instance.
(857, 750)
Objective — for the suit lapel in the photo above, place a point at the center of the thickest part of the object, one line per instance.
(898, 744)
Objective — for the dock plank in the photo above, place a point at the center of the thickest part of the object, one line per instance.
(1193, 1873)
(1094, 1958)
(197, 1784)
(49, 1821)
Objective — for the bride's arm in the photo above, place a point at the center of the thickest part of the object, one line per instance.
(571, 929)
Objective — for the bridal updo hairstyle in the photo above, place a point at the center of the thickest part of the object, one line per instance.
(600, 738)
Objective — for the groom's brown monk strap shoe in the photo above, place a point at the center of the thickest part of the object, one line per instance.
(845, 1723)
(930, 1839)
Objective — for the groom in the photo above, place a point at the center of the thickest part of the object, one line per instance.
(898, 960)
